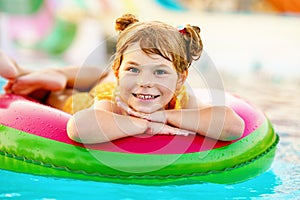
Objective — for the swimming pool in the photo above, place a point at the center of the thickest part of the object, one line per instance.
(282, 181)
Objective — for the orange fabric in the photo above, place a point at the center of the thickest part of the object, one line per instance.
(77, 102)
(286, 5)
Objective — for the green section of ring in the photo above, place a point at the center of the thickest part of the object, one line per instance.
(248, 157)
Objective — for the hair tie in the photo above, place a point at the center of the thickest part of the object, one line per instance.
(182, 30)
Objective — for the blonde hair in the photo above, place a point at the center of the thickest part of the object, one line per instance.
(179, 47)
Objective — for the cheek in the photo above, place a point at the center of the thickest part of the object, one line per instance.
(168, 92)
(125, 86)
(124, 81)
(170, 85)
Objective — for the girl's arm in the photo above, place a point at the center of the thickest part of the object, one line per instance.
(105, 123)
(102, 124)
(97, 126)
(218, 122)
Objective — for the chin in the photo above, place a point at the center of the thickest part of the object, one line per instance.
(147, 110)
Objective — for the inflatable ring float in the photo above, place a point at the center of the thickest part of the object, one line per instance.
(33, 140)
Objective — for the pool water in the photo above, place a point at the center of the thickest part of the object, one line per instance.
(280, 182)
(2, 82)
(280, 101)
(35, 187)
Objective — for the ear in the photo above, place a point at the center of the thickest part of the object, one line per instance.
(181, 79)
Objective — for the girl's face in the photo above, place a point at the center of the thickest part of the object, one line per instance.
(147, 83)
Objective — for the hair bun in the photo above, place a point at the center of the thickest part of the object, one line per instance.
(123, 22)
(193, 42)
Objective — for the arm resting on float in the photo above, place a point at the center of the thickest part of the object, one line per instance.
(97, 126)
(104, 123)
(218, 122)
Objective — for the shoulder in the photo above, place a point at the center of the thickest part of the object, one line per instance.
(194, 101)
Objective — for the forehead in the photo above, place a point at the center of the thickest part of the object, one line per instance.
(134, 53)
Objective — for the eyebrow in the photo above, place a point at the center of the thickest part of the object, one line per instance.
(162, 65)
(132, 63)
(137, 64)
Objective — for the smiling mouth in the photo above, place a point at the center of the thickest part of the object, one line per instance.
(145, 96)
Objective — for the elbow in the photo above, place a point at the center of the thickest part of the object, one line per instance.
(78, 128)
(83, 127)
(72, 130)
(233, 127)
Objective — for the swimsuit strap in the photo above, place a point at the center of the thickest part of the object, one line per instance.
(179, 101)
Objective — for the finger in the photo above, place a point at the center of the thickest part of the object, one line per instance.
(177, 131)
(121, 104)
(126, 108)
(185, 133)
(158, 116)
(132, 112)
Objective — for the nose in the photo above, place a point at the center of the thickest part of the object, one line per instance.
(145, 80)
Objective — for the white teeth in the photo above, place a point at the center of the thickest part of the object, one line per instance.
(145, 96)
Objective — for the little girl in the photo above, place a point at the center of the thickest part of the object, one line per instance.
(150, 66)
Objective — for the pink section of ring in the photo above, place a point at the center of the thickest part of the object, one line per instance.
(34, 118)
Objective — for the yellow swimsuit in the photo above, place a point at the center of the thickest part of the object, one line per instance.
(84, 100)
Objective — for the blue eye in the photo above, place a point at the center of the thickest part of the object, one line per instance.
(133, 70)
(160, 72)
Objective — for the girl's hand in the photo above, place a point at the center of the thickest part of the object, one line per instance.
(129, 110)
(160, 128)
(158, 116)
(157, 121)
